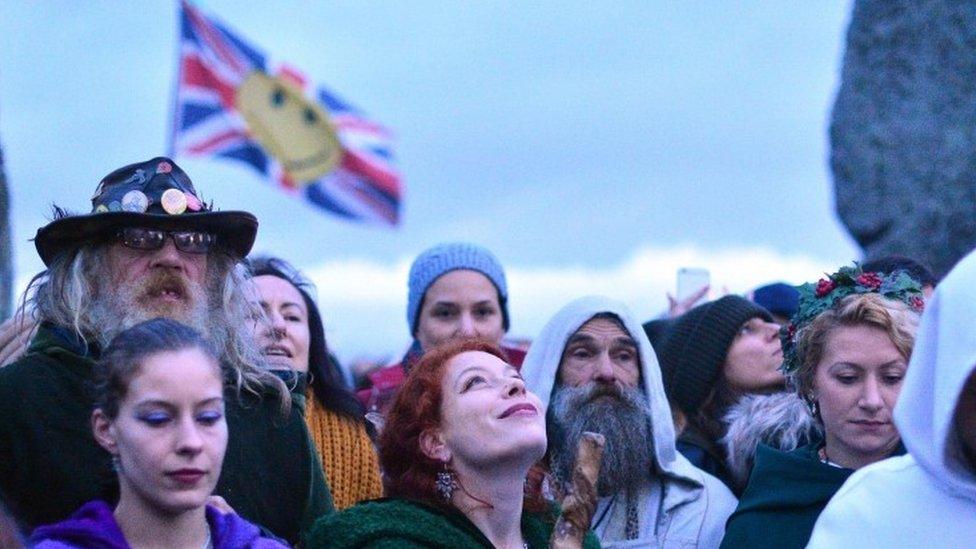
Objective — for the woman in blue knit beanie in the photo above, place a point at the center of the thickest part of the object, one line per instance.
(454, 289)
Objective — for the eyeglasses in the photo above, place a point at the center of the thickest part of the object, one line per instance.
(191, 242)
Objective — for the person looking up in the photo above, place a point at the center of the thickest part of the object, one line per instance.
(458, 451)
(710, 357)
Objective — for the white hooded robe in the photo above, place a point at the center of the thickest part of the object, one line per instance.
(685, 507)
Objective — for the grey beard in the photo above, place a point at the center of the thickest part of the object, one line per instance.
(621, 415)
(120, 308)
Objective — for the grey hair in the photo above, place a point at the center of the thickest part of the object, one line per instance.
(64, 295)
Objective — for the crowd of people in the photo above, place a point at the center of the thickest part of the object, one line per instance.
(161, 388)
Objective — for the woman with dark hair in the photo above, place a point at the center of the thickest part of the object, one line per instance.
(846, 351)
(160, 415)
(710, 357)
(291, 335)
(459, 453)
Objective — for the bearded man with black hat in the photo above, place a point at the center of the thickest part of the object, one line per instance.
(149, 248)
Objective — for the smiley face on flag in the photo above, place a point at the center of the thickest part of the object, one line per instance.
(293, 129)
(233, 102)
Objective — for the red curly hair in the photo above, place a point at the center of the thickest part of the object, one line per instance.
(407, 471)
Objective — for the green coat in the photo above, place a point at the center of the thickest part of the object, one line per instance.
(50, 464)
(394, 523)
(786, 493)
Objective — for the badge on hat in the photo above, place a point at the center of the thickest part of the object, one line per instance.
(135, 201)
(173, 201)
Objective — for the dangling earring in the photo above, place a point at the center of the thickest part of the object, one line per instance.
(446, 484)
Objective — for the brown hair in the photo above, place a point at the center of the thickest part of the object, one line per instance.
(896, 318)
(407, 471)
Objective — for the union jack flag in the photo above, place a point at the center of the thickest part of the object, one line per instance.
(233, 102)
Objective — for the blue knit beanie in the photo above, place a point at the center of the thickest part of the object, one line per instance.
(444, 258)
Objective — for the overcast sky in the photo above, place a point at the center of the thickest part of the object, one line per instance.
(594, 147)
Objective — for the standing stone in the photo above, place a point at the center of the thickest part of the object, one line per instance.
(903, 130)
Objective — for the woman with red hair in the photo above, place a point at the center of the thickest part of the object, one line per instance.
(459, 453)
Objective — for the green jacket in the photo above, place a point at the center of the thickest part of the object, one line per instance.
(50, 464)
(786, 493)
(395, 523)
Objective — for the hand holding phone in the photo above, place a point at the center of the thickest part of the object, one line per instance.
(693, 286)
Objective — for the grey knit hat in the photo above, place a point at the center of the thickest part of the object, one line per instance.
(444, 258)
(692, 348)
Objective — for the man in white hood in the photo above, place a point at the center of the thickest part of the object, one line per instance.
(595, 370)
(926, 498)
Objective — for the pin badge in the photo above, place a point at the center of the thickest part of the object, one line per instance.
(192, 202)
(139, 177)
(101, 209)
(135, 201)
(164, 167)
(174, 201)
(115, 206)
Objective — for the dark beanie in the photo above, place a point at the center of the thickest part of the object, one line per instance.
(692, 347)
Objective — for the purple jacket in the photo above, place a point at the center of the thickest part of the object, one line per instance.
(93, 527)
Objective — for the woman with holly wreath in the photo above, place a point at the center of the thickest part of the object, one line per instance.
(845, 351)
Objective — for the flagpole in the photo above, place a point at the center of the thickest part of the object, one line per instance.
(6, 253)
(174, 90)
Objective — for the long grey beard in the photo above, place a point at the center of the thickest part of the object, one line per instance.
(620, 415)
(123, 307)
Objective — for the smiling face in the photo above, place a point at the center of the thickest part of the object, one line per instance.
(856, 385)
(158, 283)
(170, 434)
(600, 351)
(753, 360)
(295, 130)
(284, 335)
(487, 416)
(459, 303)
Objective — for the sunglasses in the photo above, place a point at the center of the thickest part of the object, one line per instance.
(191, 242)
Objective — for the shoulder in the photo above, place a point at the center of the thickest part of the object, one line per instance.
(887, 477)
(702, 496)
(387, 520)
(854, 510)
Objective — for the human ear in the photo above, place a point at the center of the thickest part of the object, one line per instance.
(104, 431)
(433, 446)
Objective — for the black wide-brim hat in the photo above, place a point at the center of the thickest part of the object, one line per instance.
(155, 194)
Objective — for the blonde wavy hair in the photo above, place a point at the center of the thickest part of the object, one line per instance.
(897, 319)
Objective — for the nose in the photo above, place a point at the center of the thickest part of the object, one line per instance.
(515, 387)
(467, 326)
(168, 256)
(188, 439)
(278, 326)
(603, 369)
(871, 399)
